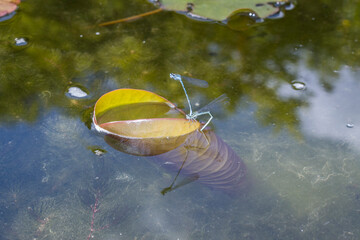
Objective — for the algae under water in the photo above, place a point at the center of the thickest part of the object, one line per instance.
(292, 117)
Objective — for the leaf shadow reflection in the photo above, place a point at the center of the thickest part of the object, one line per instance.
(203, 157)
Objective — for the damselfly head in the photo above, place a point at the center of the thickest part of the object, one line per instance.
(175, 76)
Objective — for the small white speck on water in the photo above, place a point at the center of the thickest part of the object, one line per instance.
(20, 42)
(296, 85)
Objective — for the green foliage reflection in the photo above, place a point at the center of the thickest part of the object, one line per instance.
(250, 66)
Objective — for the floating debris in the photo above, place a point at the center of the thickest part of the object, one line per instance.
(76, 92)
(349, 125)
(97, 150)
(19, 42)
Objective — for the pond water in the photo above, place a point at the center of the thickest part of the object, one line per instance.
(292, 117)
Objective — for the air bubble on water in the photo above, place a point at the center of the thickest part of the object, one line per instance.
(349, 125)
(76, 92)
(81, 35)
(298, 85)
(97, 33)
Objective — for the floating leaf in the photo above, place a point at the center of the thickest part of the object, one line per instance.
(8, 6)
(217, 10)
(142, 122)
(221, 10)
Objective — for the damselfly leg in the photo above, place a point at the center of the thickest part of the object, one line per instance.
(196, 114)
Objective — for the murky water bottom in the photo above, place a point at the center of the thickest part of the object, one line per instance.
(57, 188)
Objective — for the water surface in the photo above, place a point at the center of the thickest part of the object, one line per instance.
(292, 117)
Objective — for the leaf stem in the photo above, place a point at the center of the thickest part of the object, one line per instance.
(130, 18)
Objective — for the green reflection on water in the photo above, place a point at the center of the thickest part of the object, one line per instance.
(303, 186)
(252, 63)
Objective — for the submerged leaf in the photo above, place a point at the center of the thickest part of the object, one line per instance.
(152, 128)
(210, 159)
(221, 10)
(203, 157)
(149, 137)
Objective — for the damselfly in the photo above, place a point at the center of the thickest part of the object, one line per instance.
(204, 110)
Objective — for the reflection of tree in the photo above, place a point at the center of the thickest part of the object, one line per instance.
(141, 54)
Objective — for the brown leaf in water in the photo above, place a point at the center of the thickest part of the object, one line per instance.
(149, 137)
(141, 122)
